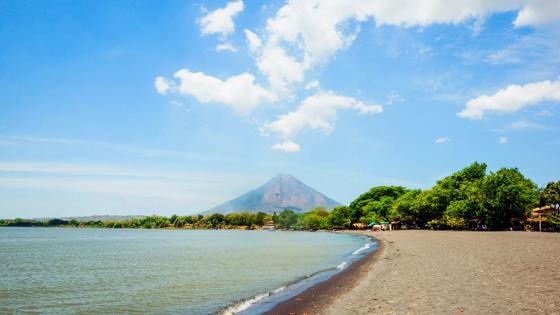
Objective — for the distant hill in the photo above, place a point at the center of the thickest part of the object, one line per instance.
(102, 218)
(281, 192)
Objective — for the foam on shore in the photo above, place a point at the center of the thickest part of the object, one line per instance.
(246, 304)
(286, 292)
(361, 249)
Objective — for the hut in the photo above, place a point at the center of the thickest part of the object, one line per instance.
(384, 225)
(539, 215)
(359, 226)
(374, 226)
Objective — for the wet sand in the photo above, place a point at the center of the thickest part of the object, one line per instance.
(427, 272)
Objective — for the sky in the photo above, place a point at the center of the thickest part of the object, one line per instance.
(162, 107)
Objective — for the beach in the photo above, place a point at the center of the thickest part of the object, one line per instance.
(426, 272)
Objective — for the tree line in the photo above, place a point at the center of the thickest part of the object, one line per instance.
(469, 198)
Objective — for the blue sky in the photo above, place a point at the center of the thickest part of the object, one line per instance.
(144, 107)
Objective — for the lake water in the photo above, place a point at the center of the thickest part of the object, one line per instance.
(64, 270)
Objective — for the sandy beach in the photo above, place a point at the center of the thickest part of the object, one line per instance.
(426, 272)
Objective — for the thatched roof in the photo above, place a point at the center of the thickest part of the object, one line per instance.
(359, 225)
(544, 209)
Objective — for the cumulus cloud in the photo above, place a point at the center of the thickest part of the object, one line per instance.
(239, 92)
(287, 146)
(163, 86)
(281, 69)
(253, 40)
(220, 21)
(313, 31)
(538, 13)
(316, 112)
(503, 140)
(441, 140)
(512, 98)
(226, 47)
(312, 85)
(305, 33)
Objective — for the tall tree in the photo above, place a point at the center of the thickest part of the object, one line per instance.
(340, 217)
(550, 195)
(507, 194)
(403, 208)
(287, 219)
(378, 199)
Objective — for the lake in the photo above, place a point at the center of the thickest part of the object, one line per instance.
(67, 270)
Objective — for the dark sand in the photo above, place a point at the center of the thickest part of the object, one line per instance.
(428, 272)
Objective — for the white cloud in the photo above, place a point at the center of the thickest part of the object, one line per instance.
(536, 48)
(312, 85)
(220, 21)
(305, 33)
(512, 99)
(287, 146)
(503, 140)
(226, 47)
(239, 92)
(316, 112)
(313, 31)
(523, 124)
(163, 86)
(539, 12)
(281, 69)
(253, 40)
(441, 140)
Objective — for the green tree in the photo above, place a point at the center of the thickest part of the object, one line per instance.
(287, 219)
(320, 211)
(261, 218)
(378, 199)
(550, 195)
(340, 217)
(312, 221)
(470, 203)
(403, 208)
(380, 208)
(453, 188)
(57, 222)
(507, 194)
(215, 220)
(173, 219)
(427, 206)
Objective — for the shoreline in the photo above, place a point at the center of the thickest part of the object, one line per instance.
(427, 272)
(443, 272)
(316, 298)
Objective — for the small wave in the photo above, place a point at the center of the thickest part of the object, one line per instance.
(280, 289)
(341, 266)
(361, 249)
(245, 304)
(248, 303)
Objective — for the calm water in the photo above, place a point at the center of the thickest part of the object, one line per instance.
(62, 270)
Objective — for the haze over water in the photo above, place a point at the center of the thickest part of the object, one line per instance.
(64, 270)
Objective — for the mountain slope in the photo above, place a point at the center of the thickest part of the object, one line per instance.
(281, 192)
